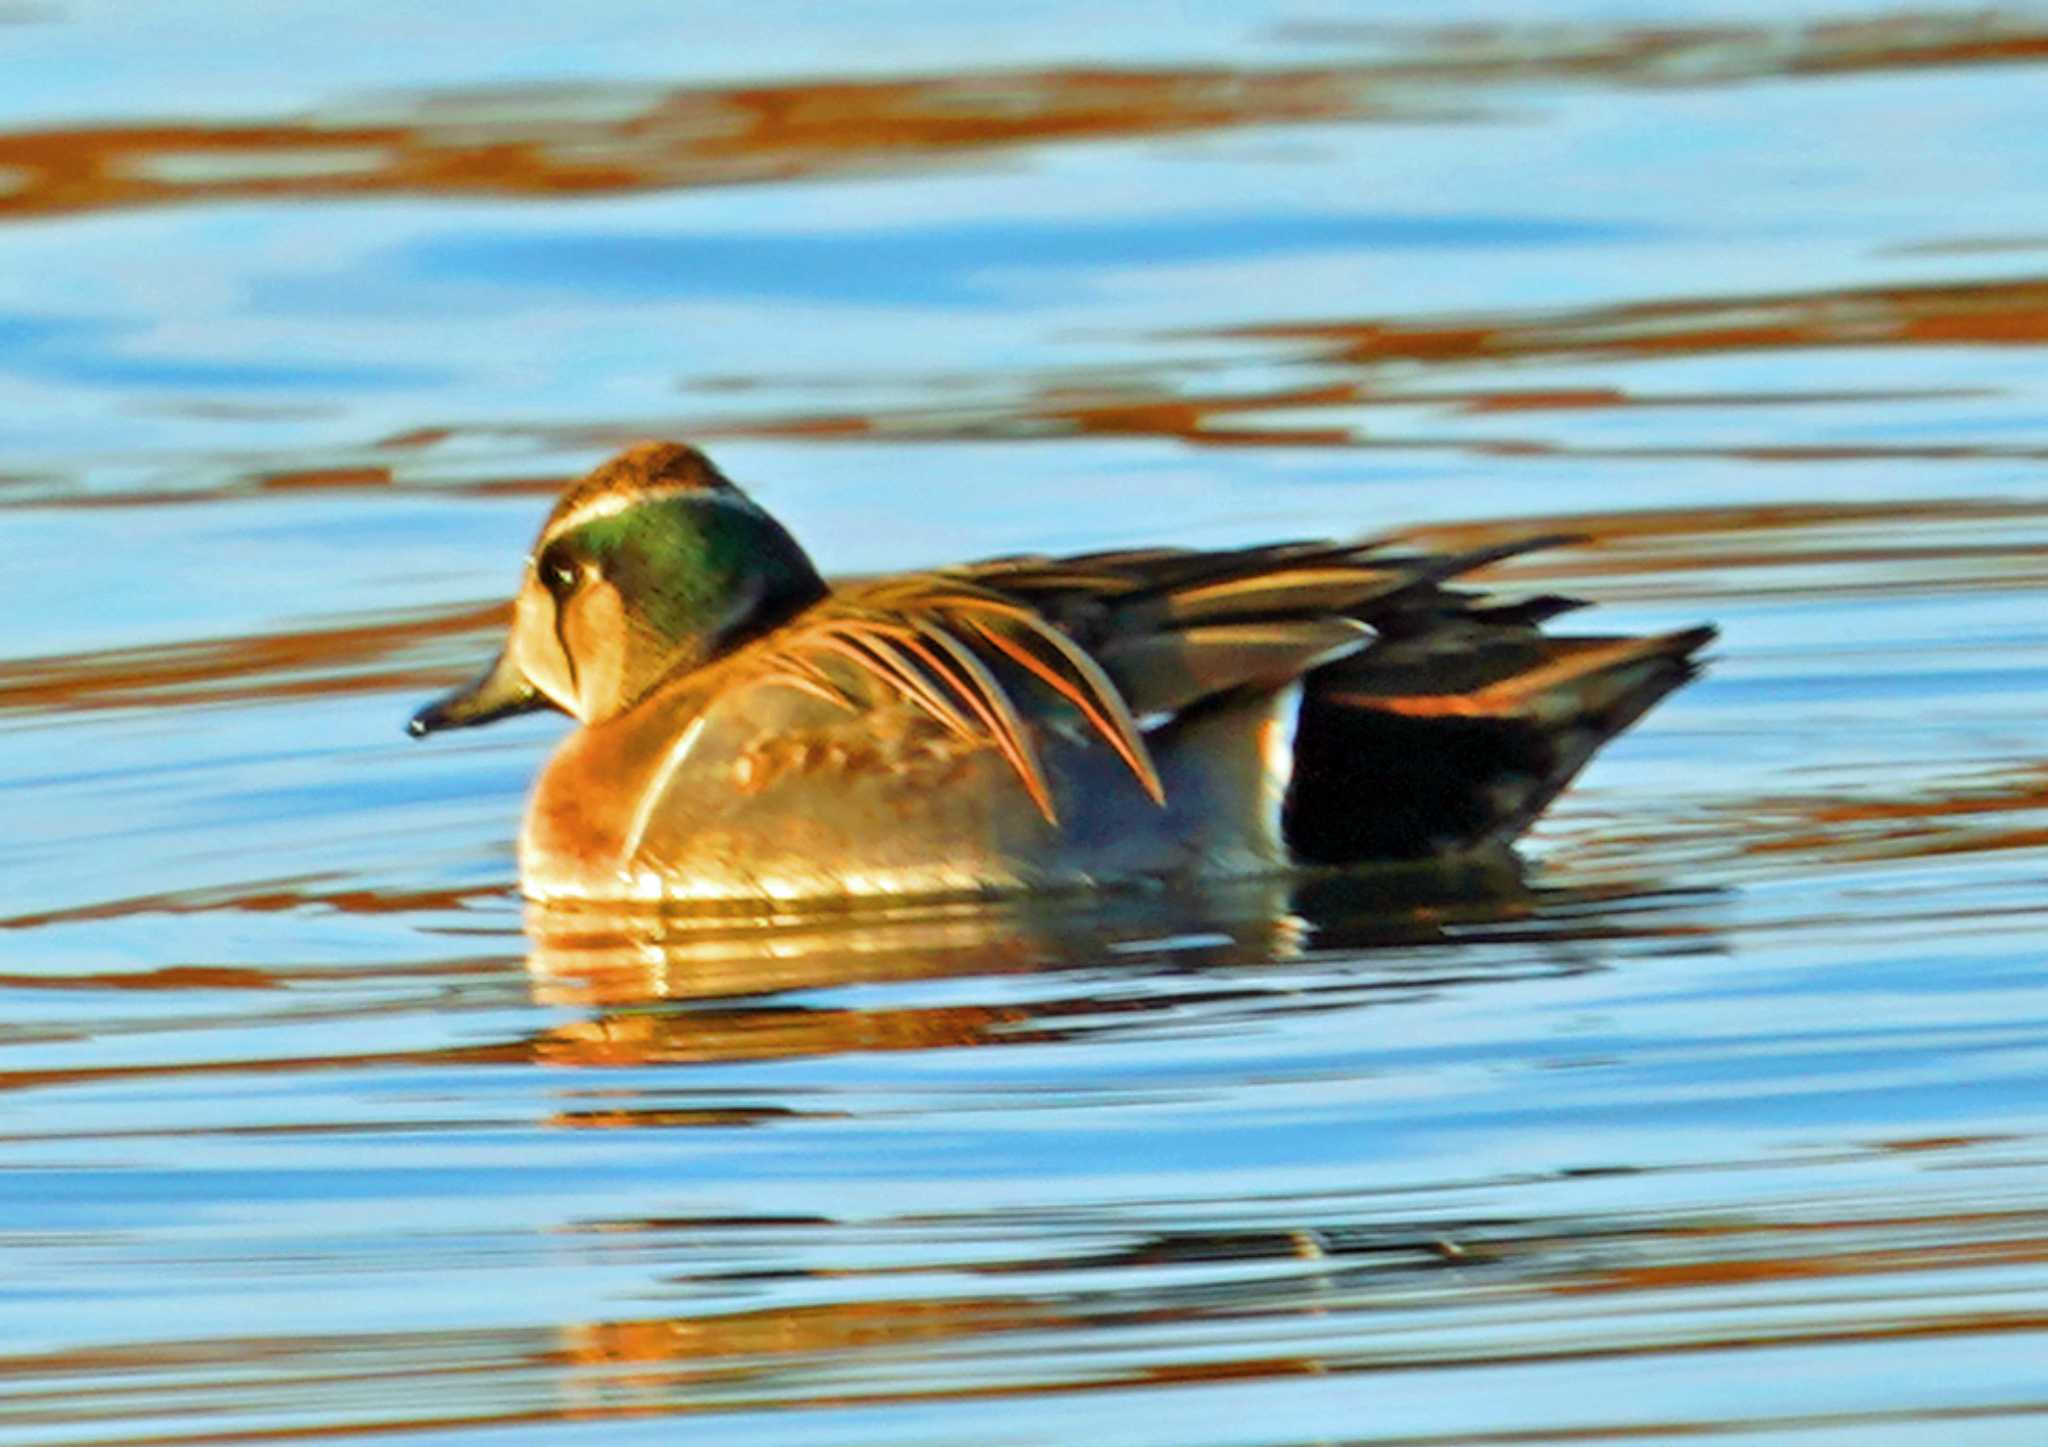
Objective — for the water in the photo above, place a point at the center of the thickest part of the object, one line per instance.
(1725, 1123)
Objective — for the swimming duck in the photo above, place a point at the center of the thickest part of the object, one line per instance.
(751, 733)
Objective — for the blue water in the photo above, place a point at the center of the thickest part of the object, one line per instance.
(1725, 1124)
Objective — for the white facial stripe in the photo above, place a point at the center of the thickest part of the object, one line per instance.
(611, 504)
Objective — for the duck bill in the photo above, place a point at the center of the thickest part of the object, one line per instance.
(501, 692)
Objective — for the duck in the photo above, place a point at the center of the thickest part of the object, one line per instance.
(749, 733)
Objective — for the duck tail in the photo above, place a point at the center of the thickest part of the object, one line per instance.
(1456, 736)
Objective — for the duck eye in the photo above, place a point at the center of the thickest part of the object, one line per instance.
(559, 576)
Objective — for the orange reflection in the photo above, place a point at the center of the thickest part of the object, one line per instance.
(623, 963)
(570, 142)
(1766, 1251)
(1690, 554)
(1992, 313)
(607, 958)
(670, 990)
(689, 988)
(866, 1325)
(1974, 815)
(1155, 401)
(264, 898)
(1996, 313)
(1773, 551)
(566, 143)
(347, 658)
(1174, 1306)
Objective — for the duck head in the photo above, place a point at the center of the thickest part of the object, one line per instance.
(651, 565)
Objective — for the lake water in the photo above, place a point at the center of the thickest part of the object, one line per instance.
(1728, 1123)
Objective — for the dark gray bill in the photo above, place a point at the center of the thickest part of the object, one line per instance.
(501, 692)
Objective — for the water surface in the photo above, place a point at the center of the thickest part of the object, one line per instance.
(1725, 1121)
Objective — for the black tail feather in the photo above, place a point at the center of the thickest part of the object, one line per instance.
(1405, 774)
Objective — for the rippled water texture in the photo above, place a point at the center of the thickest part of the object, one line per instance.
(1725, 1122)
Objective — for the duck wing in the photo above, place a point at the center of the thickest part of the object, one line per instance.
(1432, 718)
(930, 640)
(1173, 628)
(1138, 640)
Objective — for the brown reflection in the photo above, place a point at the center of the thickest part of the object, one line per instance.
(1160, 402)
(169, 977)
(1939, 815)
(1335, 1296)
(310, 479)
(502, 1053)
(1972, 814)
(681, 989)
(685, 1342)
(571, 142)
(1776, 550)
(585, 956)
(276, 897)
(1690, 554)
(1360, 1283)
(307, 662)
(674, 990)
(694, 987)
(1991, 313)
(568, 143)
(769, 1034)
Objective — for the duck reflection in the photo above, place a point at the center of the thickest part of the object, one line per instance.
(673, 987)
(1357, 1293)
(1014, 1305)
